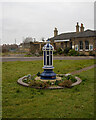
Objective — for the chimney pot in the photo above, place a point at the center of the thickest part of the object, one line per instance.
(81, 25)
(55, 32)
(77, 28)
(81, 28)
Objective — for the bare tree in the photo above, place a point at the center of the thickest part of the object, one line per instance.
(43, 39)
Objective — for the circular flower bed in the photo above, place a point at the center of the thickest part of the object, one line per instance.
(66, 81)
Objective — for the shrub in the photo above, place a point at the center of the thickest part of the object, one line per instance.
(38, 74)
(48, 82)
(25, 80)
(57, 82)
(55, 52)
(45, 85)
(41, 52)
(66, 83)
(82, 54)
(29, 76)
(66, 51)
(91, 53)
(60, 75)
(38, 84)
(69, 77)
(28, 55)
(32, 83)
(72, 52)
(59, 51)
(64, 78)
(72, 78)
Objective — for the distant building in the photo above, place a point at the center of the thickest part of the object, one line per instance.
(9, 48)
(33, 47)
(82, 41)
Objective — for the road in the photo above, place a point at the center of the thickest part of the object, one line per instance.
(6, 59)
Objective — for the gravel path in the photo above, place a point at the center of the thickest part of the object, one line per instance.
(84, 69)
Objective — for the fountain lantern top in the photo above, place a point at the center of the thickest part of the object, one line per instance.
(48, 46)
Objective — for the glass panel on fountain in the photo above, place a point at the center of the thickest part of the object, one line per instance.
(44, 57)
(47, 57)
(50, 57)
(47, 52)
(47, 60)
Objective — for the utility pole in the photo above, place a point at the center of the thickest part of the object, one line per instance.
(15, 40)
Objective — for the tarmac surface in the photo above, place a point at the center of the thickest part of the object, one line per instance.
(6, 59)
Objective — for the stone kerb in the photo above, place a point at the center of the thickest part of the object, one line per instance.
(77, 82)
(20, 81)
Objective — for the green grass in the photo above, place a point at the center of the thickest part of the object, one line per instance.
(13, 53)
(23, 102)
(65, 66)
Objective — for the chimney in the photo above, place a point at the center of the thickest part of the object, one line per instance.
(81, 28)
(77, 28)
(55, 32)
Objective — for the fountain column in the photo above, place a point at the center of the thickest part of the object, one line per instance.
(48, 73)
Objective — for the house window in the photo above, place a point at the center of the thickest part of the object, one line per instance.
(90, 47)
(86, 45)
(70, 45)
(81, 45)
(66, 44)
(76, 47)
(62, 45)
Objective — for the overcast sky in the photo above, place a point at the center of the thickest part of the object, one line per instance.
(38, 19)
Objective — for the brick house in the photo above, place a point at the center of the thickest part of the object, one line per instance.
(82, 41)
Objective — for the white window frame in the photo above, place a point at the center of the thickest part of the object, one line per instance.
(90, 46)
(76, 46)
(79, 46)
(85, 47)
(81, 50)
(72, 46)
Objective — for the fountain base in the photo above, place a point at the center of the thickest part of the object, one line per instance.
(48, 74)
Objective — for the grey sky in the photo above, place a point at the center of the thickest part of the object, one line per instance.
(39, 19)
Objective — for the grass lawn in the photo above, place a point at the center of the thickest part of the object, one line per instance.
(23, 102)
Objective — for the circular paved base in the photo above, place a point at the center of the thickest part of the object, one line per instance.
(57, 78)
